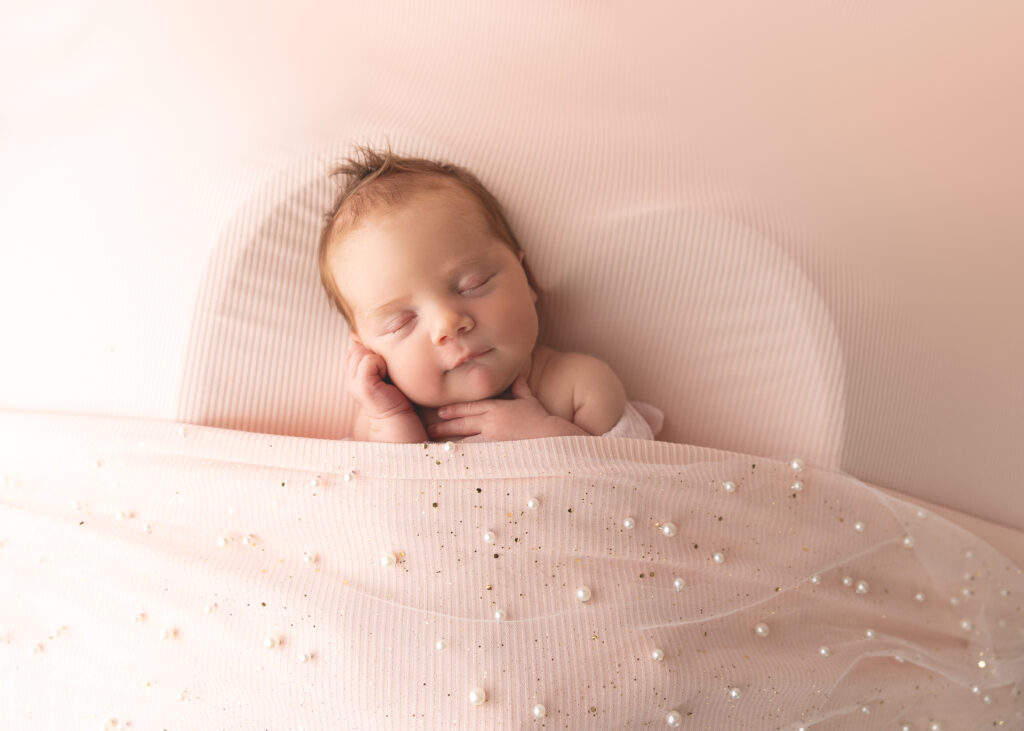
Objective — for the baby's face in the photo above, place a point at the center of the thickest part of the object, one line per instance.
(439, 297)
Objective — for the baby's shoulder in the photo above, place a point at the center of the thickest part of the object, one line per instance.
(568, 381)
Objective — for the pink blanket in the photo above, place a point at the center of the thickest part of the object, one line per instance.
(159, 575)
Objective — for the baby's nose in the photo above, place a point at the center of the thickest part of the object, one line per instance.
(450, 322)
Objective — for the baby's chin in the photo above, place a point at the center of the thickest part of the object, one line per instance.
(485, 389)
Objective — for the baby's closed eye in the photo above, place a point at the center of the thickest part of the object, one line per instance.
(398, 323)
(475, 283)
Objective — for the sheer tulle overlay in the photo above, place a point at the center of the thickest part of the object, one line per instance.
(174, 576)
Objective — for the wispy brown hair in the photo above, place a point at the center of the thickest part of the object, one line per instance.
(371, 179)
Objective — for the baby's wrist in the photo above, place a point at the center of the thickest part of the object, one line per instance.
(403, 426)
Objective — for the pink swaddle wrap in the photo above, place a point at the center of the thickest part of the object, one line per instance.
(176, 576)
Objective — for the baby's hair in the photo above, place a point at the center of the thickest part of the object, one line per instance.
(372, 179)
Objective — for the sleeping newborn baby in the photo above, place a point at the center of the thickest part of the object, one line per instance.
(418, 257)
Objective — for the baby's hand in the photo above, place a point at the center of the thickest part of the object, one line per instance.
(524, 417)
(365, 372)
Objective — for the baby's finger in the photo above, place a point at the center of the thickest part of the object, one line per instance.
(352, 364)
(463, 426)
(371, 368)
(520, 388)
(466, 408)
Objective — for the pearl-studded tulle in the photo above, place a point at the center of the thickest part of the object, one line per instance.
(489, 586)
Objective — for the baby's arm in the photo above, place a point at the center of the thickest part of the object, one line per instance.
(598, 396)
(580, 395)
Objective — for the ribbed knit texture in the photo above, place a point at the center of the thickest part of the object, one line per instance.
(212, 578)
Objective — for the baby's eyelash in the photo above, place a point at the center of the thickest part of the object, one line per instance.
(481, 283)
(396, 325)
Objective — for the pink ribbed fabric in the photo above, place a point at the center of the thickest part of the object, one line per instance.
(179, 576)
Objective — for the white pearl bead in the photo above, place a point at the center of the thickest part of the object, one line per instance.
(816, 579)
(936, 726)
(533, 503)
(145, 528)
(871, 634)
(314, 482)
(921, 514)
(919, 597)
(583, 593)
(968, 576)
(449, 446)
(906, 727)
(674, 719)
(908, 541)
(847, 581)
(824, 651)
(489, 537)
(734, 693)
(477, 696)
(797, 465)
(761, 629)
(718, 557)
(729, 486)
(305, 657)
(657, 655)
(859, 526)
(388, 559)
(987, 699)
(968, 553)
(499, 614)
(797, 486)
(955, 601)
(249, 540)
(181, 431)
(966, 625)
(539, 711)
(349, 476)
(865, 709)
(309, 557)
(668, 529)
(441, 644)
(628, 523)
(270, 642)
(679, 584)
(222, 541)
(862, 587)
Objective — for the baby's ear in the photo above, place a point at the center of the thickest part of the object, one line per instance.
(529, 276)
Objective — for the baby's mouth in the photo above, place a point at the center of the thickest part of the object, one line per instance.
(468, 357)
